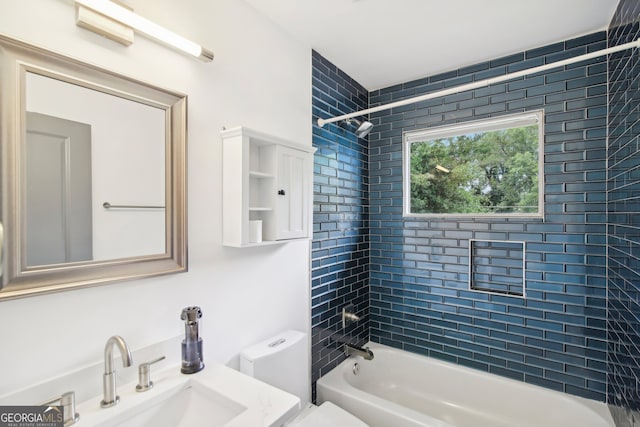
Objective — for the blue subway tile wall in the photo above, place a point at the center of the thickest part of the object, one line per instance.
(623, 234)
(419, 297)
(340, 247)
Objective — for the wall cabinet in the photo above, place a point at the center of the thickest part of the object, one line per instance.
(267, 179)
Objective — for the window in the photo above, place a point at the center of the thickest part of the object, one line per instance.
(487, 167)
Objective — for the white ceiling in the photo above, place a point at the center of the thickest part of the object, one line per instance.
(383, 42)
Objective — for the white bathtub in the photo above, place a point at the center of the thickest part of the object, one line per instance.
(401, 389)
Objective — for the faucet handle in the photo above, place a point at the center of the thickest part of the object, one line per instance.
(348, 315)
(68, 403)
(144, 374)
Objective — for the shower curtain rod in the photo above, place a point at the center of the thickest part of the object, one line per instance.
(482, 83)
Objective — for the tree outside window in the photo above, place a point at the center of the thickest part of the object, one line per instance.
(486, 171)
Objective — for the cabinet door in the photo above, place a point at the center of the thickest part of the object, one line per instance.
(293, 193)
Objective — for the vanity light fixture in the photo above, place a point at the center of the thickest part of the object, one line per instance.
(115, 21)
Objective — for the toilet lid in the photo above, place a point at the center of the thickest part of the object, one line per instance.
(327, 415)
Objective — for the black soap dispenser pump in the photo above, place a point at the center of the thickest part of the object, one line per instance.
(192, 360)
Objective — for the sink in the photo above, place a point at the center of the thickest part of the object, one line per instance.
(189, 404)
(215, 397)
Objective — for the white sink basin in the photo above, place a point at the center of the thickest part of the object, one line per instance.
(215, 397)
(189, 404)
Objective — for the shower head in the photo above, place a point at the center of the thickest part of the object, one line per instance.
(363, 127)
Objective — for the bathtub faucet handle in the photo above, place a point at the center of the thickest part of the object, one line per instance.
(348, 315)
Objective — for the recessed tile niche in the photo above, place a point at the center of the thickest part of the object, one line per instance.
(497, 266)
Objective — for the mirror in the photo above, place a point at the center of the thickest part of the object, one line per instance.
(93, 174)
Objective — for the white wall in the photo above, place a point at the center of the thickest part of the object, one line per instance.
(260, 78)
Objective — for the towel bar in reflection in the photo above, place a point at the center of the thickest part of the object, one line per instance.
(108, 205)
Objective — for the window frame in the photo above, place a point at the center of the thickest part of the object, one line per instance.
(482, 125)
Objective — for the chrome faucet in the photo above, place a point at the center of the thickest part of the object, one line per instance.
(144, 375)
(109, 378)
(352, 350)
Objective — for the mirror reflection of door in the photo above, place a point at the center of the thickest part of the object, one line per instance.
(128, 155)
(58, 191)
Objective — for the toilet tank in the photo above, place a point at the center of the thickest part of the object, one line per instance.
(282, 361)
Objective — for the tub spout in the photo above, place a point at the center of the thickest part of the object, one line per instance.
(352, 350)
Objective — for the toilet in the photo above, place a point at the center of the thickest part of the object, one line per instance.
(281, 362)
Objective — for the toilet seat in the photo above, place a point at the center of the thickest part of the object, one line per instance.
(326, 415)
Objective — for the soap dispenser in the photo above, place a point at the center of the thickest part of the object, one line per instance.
(192, 360)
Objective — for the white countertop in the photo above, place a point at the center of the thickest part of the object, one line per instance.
(257, 404)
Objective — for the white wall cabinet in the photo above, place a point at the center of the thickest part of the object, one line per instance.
(268, 179)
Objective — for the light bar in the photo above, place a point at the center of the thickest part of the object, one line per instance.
(144, 26)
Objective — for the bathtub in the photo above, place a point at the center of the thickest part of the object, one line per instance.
(401, 389)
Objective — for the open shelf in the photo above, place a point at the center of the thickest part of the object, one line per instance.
(267, 179)
(260, 175)
(263, 243)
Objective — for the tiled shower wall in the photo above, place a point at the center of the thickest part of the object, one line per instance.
(340, 248)
(419, 295)
(419, 299)
(623, 235)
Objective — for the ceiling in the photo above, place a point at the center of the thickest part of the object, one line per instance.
(380, 43)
